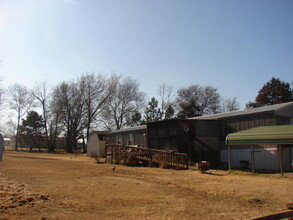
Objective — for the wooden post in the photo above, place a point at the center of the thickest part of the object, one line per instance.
(112, 153)
(252, 159)
(229, 157)
(290, 157)
(280, 159)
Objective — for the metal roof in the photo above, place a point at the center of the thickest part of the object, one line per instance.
(279, 109)
(100, 132)
(135, 128)
(282, 134)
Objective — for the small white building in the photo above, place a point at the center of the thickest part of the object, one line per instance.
(7, 142)
(96, 143)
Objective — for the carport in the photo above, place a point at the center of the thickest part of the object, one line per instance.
(274, 135)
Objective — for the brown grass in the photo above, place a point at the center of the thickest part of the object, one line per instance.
(67, 186)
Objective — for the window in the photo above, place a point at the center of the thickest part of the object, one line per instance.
(118, 139)
(130, 139)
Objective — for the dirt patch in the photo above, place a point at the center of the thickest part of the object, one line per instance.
(14, 194)
(255, 201)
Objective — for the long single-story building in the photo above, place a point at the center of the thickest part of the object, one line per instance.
(203, 137)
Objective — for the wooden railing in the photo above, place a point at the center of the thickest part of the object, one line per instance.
(167, 159)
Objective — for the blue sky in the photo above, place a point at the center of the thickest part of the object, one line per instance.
(233, 45)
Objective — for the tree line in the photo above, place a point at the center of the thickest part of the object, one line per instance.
(72, 109)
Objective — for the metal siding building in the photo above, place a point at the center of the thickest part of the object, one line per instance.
(173, 134)
(133, 136)
(230, 122)
(203, 137)
(199, 139)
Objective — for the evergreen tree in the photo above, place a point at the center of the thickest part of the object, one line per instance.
(135, 119)
(32, 130)
(152, 112)
(169, 113)
(273, 92)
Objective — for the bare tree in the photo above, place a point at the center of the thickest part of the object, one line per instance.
(124, 101)
(1, 93)
(196, 100)
(54, 124)
(166, 94)
(69, 102)
(96, 93)
(42, 93)
(8, 127)
(20, 100)
(229, 104)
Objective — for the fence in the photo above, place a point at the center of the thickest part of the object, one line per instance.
(127, 154)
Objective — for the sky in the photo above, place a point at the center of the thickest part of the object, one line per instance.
(233, 45)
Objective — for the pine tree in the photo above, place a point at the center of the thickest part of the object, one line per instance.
(32, 129)
(273, 92)
(169, 112)
(152, 112)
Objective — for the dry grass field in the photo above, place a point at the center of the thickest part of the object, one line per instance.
(68, 186)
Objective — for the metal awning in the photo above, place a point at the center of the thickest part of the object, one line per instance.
(277, 135)
(281, 134)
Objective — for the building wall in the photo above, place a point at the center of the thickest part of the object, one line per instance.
(132, 137)
(240, 123)
(198, 138)
(251, 121)
(206, 141)
(96, 145)
(163, 135)
(172, 134)
(231, 125)
(264, 158)
(93, 144)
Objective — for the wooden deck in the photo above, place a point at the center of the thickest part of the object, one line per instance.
(121, 154)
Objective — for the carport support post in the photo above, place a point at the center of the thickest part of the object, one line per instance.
(229, 157)
(252, 158)
(280, 159)
(290, 157)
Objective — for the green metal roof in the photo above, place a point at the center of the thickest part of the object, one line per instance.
(282, 134)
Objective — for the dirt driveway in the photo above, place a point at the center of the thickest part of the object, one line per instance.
(65, 186)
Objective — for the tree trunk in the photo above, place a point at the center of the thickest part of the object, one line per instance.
(17, 131)
(46, 129)
(69, 143)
